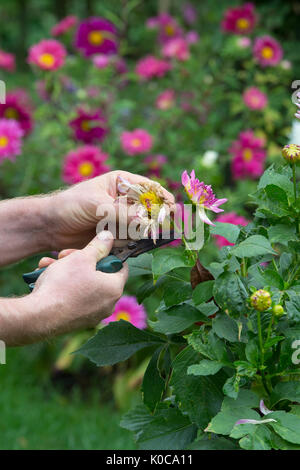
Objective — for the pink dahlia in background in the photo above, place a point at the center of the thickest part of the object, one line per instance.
(14, 109)
(165, 100)
(64, 25)
(128, 309)
(177, 48)
(7, 61)
(267, 51)
(48, 54)
(201, 195)
(167, 26)
(239, 20)
(96, 36)
(189, 13)
(154, 164)
(248, 156)
(150, 67)
(101, 61)
(89, 126)
(254, 98)
(243, 42)
(10, 139)
(84, 163)
(135, 142)
(192, 37)
(229, 218)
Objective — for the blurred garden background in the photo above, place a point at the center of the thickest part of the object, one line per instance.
(152, 87)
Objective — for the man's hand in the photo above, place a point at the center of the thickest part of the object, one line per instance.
(69, 295)
(73, 212)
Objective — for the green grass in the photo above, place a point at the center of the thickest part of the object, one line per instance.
(35, 416)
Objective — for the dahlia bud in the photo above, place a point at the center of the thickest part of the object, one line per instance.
(261, 300)
(291, 153)
(278, 311)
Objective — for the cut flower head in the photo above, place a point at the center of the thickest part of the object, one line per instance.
(201, 195)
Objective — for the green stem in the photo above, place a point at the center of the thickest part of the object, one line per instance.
(262, 353)
(295, 194)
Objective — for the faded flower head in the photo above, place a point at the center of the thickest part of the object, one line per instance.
(96, 36)
(267, 51)
(261, 300)
(201, 195)
(240, 20)
(291, 153)
(128, 309)
(48, 54)
(84, 163)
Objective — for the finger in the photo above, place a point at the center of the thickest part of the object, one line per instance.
(44, 262)
(67, 252)
(100, 246)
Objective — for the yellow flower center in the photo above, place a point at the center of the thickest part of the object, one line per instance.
(150, 201)
(136, 143)
(96, 38)
(85, 126)
(3, 141)
(267, 52)
(247, 155)
(86, 168)
(123, 316)
(11, 113)
(242, 24)
(47, 59)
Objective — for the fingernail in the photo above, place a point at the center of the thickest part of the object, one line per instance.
(105, 235)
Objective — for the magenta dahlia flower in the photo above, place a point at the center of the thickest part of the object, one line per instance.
(267, 51)
(64, 25)
(89, 126)
(167, 26)
(10, 139)
(165, 100)
(239, 20)
(84, 163)
(254, 98)
(48, 54)
(137, 141)
(248, 156)
(128, 309)
(150, 67)
(96, 36)
(177, 48)
(229, 218)
(201, 195)
(7, 61)
(15, 109)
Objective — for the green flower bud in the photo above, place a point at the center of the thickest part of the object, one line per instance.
(278, 310)
(291, 153)
(261, 300)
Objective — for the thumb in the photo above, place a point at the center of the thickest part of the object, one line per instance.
(100, 246)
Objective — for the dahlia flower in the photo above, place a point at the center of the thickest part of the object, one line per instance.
(128, 309)
(248, 156)
(150, 67)
(165, 100)
(192, 37)
(135, 142)
(48, 54)
(291, 153)
(255, 99)
(239, 20)
(14, 109)
(229, 218)
(267, 51)
(84, 163)
(201, 195)
(89, 126)
(177, 48)
(101, 61)
(10, 139)
(7, 61)
(64, 25)
(167, 26)
(96, 36)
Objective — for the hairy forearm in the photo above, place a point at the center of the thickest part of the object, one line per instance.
(24, 228)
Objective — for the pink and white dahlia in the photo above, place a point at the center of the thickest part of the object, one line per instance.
(254, 98)
(239, 20)
(89, 126)
(64, 25)
(7, 61)
(10, 139)
(267, 51)
(96, 36)
(248, 156)
(135, 142)
(165, 100)
(15, 109)
(229, 218)
(128, 309)
(151, 67)
(48, 54)
(177, 48)
(243, 42)
(84, 163)
(201, 195)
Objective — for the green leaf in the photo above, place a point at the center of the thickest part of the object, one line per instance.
(231, 387)
(145, 290)
(259, 439)
(203, 292)
(293, 306)
(208, 309)
(256, 245)
(230, 293)
(176, 292)
(225, 327)
(228, 231)
(287, 425)
(252, 352)
(116, 342)
(140, 265)
(136, 419)
(281, 233)
(214, 443)
(205, 367)
(176, 319)
(153, 384)
(279, 177)
(272, 279)
(286, 391)
(276, 194)
(166, 259)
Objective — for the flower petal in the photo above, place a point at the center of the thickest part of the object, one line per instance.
(254, 421)
(203, 216)
(264, 410)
